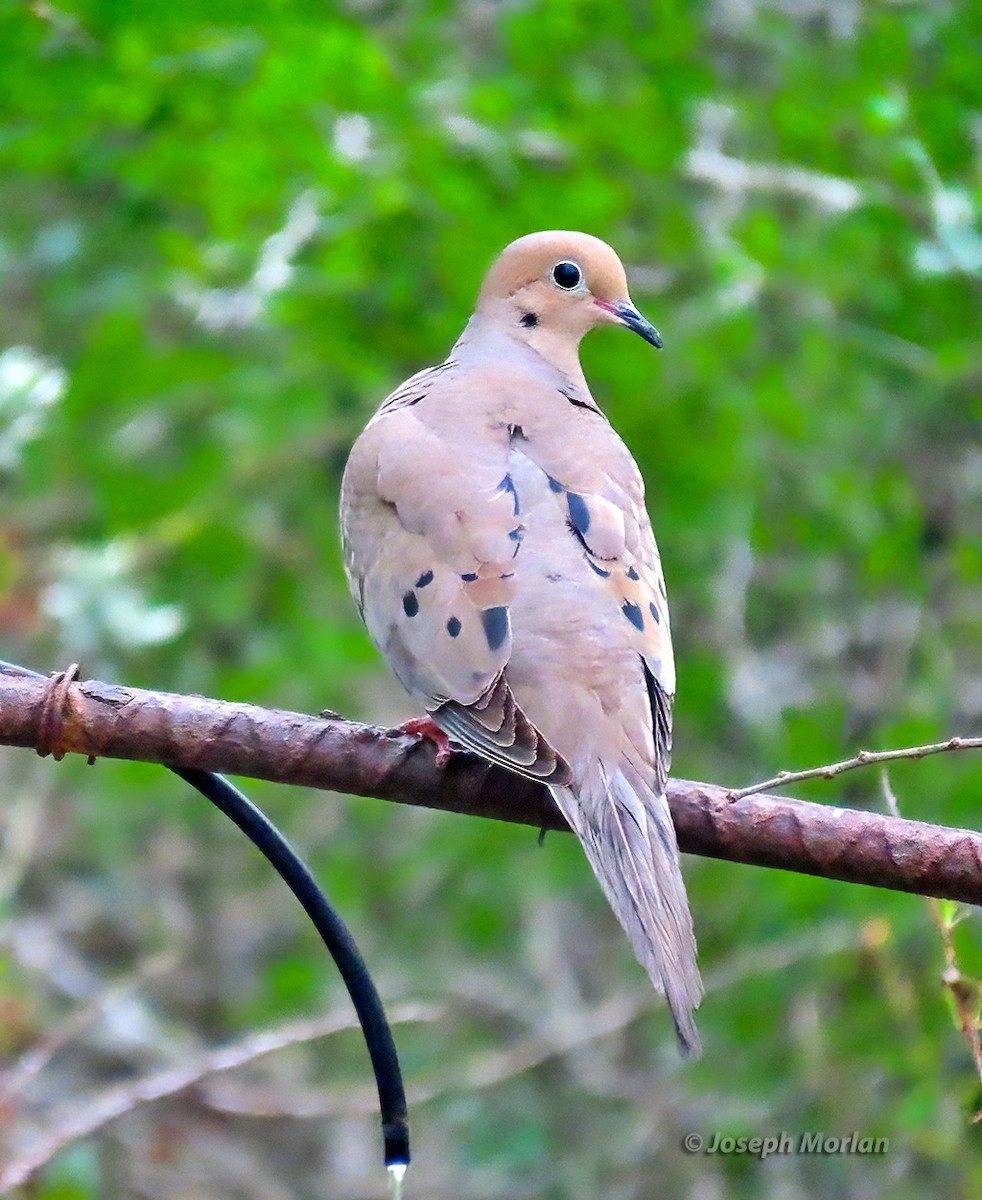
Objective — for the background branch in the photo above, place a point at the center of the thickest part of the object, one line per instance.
(76, 1121)
(102, 720)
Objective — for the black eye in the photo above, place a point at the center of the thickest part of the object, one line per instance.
(567, 275)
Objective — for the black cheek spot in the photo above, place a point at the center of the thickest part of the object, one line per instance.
(579, 514)
(495, 622)
(633, 614)
(410, 604)
(453, 627)
(652, 608)
(424, 579)
(529, 320)
(632, 573)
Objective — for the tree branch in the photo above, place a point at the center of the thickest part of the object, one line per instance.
(102, 720)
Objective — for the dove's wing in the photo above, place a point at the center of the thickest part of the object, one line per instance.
(592, 668)
(591, 582)
(432, 538)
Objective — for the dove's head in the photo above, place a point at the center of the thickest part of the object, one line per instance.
(551, 288)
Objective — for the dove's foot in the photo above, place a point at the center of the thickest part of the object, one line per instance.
(423, 727)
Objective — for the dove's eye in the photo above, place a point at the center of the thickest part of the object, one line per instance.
(567, 275)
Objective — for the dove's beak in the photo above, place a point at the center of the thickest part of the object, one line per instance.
(627, 315)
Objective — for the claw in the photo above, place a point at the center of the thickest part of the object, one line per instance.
(423, 727)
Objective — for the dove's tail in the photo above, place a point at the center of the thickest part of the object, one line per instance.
(627, 833)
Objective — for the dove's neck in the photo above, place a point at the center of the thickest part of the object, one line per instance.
(492, 337)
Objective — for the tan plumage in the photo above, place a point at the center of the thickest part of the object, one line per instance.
(498, 547)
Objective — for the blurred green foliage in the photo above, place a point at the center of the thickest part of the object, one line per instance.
(226, 231)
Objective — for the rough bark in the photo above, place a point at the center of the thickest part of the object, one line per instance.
(103, 720)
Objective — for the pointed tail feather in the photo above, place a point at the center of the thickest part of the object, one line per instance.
(627, 833)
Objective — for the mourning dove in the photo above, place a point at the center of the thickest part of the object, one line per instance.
(497, 546)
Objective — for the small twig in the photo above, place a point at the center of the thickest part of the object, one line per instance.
(965, 993)
(864, 758)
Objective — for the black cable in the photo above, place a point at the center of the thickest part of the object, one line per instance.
(336, 937)
(333, 932)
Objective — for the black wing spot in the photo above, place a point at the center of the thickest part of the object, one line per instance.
(632, 573)
(653, 609)
(469, 577)
(575, 400)
(580, 538)
(508, 485)
(495, 622)
(599, 570)
(578, 523)
(579, 514)
(424, 579)
(555, 485)
(453, 627)
(410, 604)
(415, 389)
(516, 432)
(633, 614)
(403, 400)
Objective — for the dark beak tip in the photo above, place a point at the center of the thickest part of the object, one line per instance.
(633, 320)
